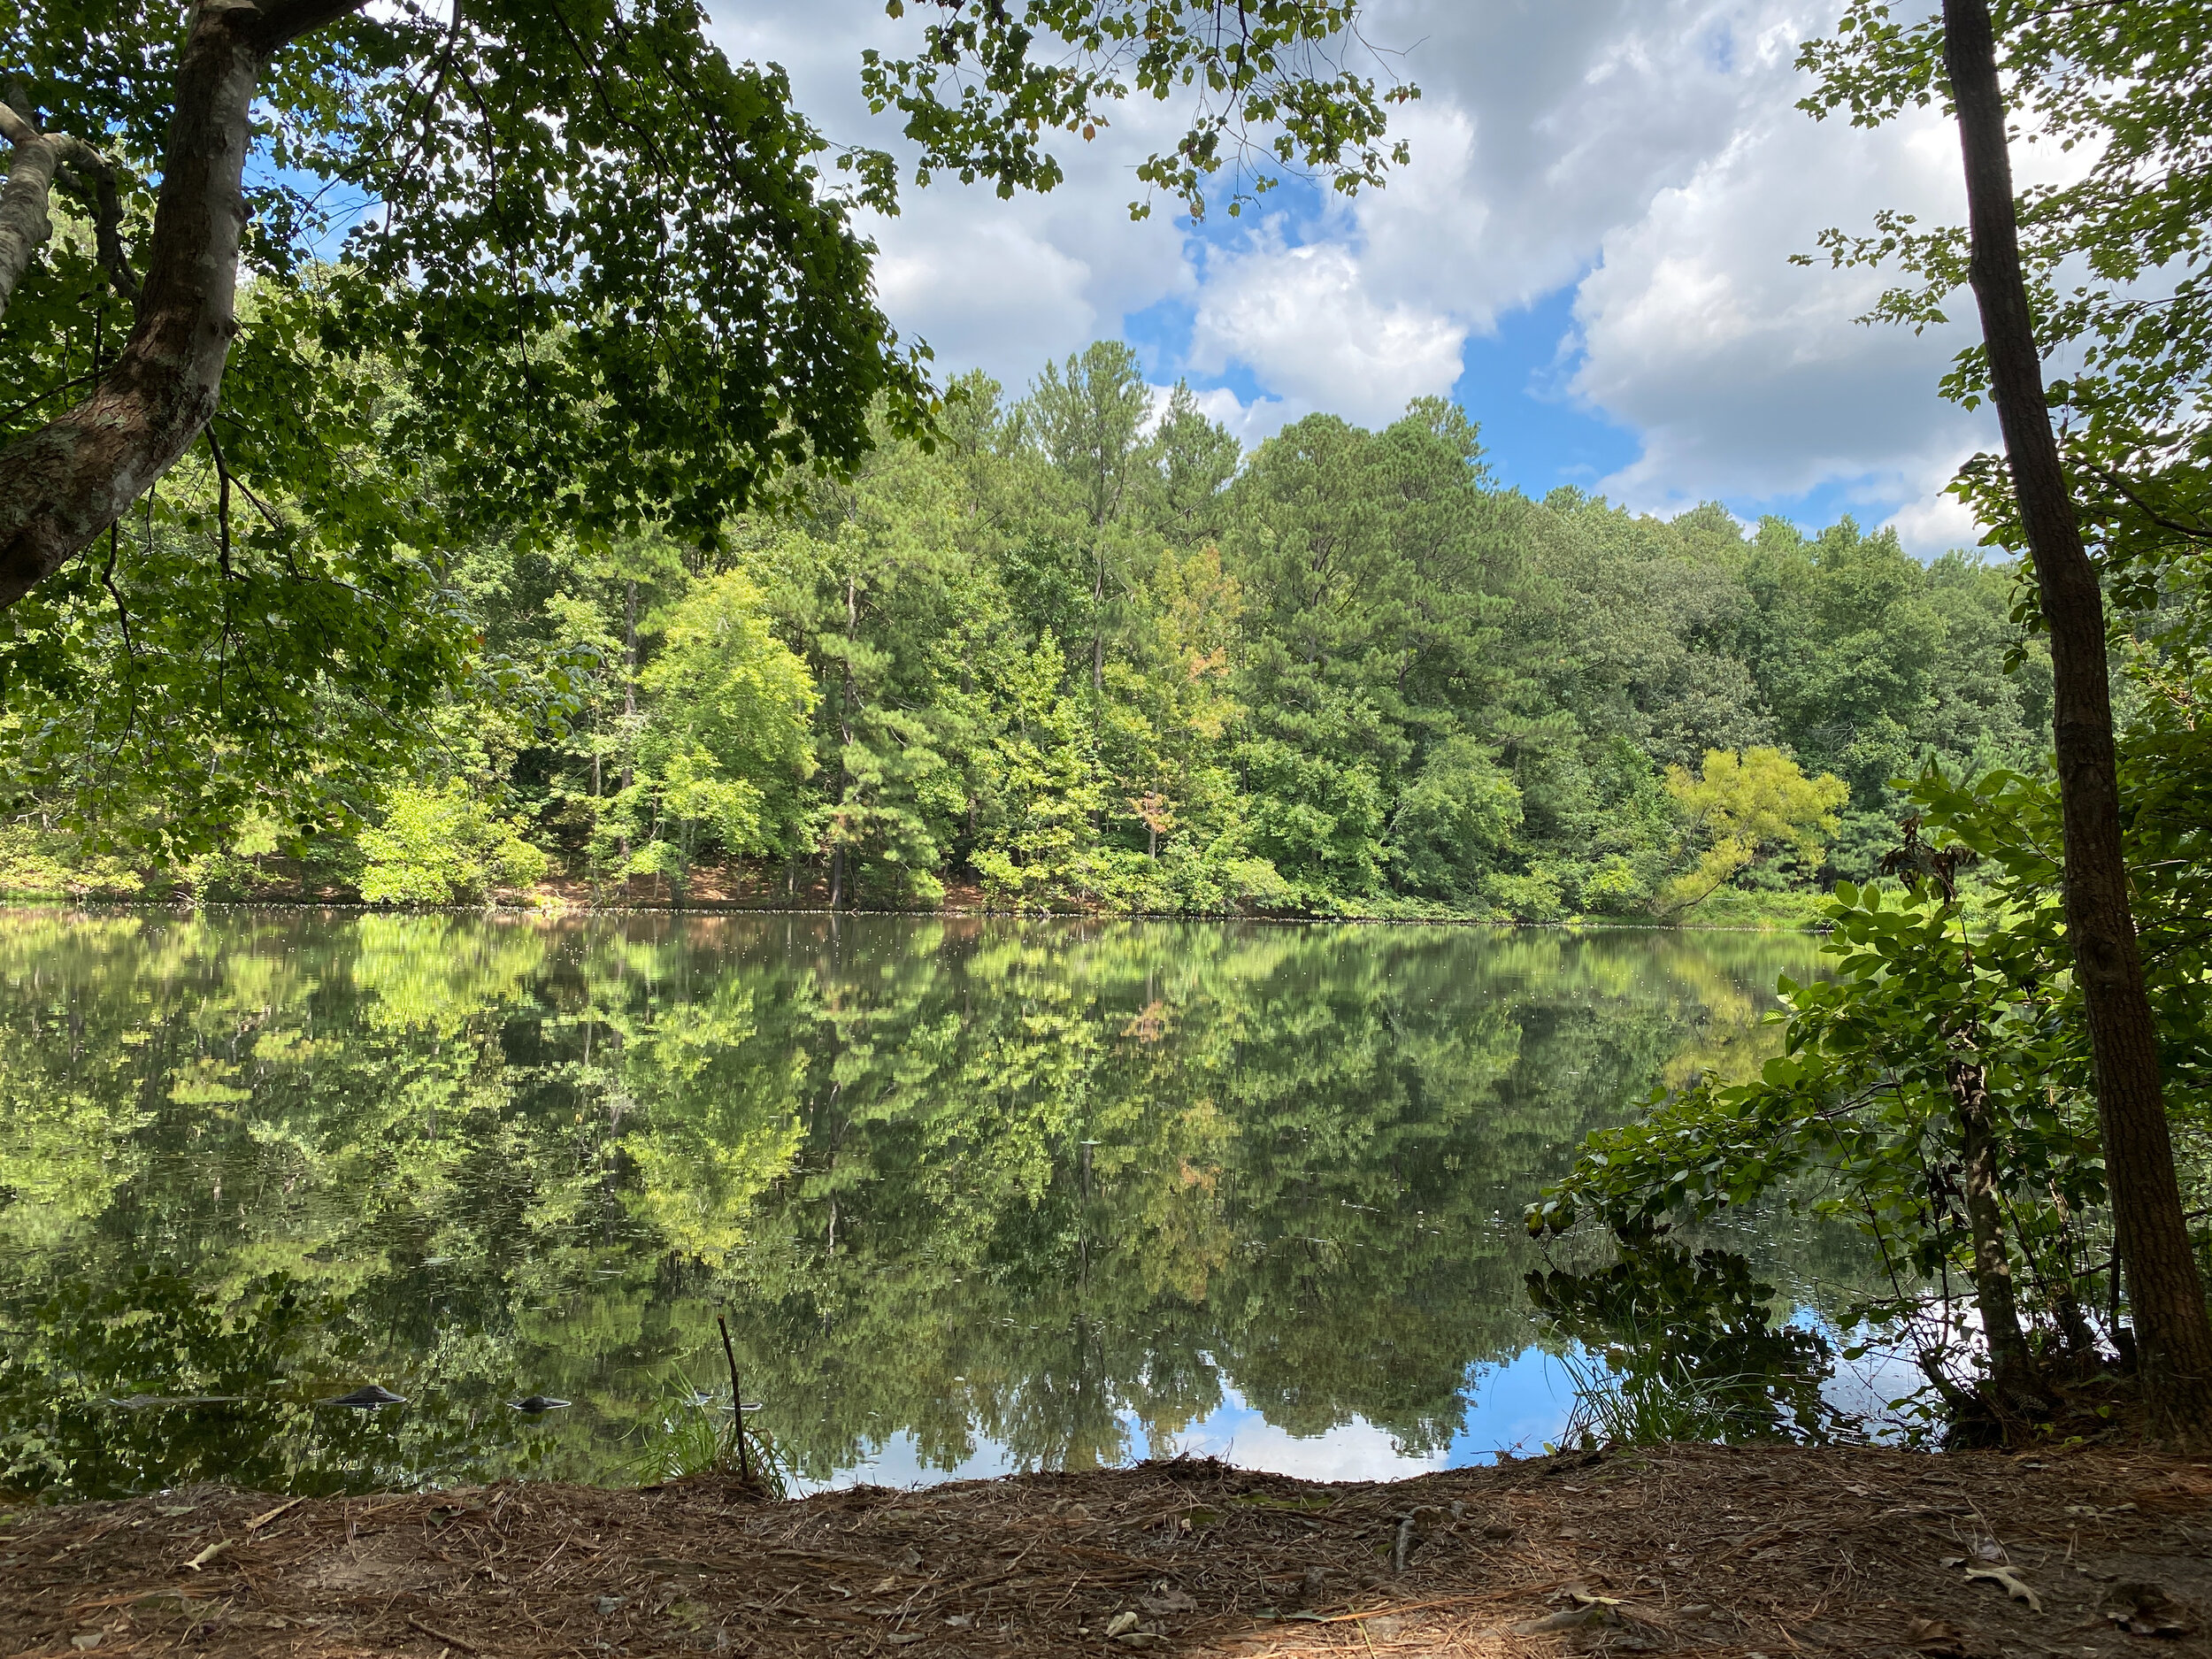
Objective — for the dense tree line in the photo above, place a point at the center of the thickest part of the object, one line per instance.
(1087, 656)
(1085, 652)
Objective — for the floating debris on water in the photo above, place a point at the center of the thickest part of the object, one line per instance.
(367, 1397)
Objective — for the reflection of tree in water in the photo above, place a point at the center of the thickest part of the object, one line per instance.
(1691, 1347)
(152, 1382)
(1304, 1141)
(1024, 1182)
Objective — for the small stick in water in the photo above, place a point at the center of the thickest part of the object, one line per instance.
(737, 1404)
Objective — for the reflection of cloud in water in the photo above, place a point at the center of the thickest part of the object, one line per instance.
(1356, 1450)
(898, 1464)
(1515, 1407)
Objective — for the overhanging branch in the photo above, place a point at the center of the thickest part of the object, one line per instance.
(24, 226)
(40, 161)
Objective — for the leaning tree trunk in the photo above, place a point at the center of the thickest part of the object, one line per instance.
(2173, 1332)
(66, 483)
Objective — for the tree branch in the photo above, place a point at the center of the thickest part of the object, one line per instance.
(2120, 486)
(67, 482)
(25, 227)
(284, 21)
(91, 178)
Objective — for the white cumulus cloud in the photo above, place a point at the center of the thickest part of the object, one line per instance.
(1644, 154)
(1748, 375)
(1305, 321)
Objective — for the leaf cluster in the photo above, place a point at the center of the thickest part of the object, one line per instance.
(1272, 81)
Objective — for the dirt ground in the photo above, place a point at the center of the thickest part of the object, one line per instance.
(1679, 1550)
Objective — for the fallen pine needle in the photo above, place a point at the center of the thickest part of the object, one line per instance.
(1381, 1612)
(444, 1636)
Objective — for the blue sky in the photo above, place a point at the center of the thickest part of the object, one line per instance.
(1590, 250)
(1514, 382)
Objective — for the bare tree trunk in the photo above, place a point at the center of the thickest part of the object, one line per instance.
(1098, 613)
(845, 738)
(629, 677)
(2173, 1331)
(2014, 1378)
(66, 483)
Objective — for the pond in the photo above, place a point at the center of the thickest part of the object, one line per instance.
(972, 1194)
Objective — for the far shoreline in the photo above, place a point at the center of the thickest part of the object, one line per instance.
(515, 910)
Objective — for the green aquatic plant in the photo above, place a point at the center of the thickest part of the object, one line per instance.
(1666, 1403)
(696, 1433)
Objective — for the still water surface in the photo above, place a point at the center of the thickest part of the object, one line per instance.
(974, 1195)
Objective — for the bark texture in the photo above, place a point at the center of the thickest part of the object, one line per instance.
(24, 226)
(2014, 1378)
(2172, 1329)
(66, 483)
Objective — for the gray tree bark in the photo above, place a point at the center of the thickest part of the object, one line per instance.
(24, 226)
(67, 482)
(39, 163)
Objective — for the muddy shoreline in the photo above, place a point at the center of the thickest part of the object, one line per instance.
(1699, 1549)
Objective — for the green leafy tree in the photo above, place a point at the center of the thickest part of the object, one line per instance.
(1088, 418)
(1369, 564)
(607, 285)
(437, 847)
(1455, 821)
(725, 747)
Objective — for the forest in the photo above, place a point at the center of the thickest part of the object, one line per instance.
(457, 458)
(1083, 652)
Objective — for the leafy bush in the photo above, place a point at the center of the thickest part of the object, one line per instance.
(444, 847)
(46, 866)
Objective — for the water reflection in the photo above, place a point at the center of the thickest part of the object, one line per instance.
(975, 1194)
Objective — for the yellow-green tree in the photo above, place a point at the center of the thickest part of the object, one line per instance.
(1747, 805)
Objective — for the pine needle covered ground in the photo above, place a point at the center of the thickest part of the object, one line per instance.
(1677, 1550)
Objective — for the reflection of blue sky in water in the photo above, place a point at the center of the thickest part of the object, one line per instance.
(1515, 1407)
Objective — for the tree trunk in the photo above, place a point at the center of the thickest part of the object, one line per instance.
(629, 678)
(845, 740)
(2173, 1331)
(2014, 1379)
(66, 483)
(1098, 612)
